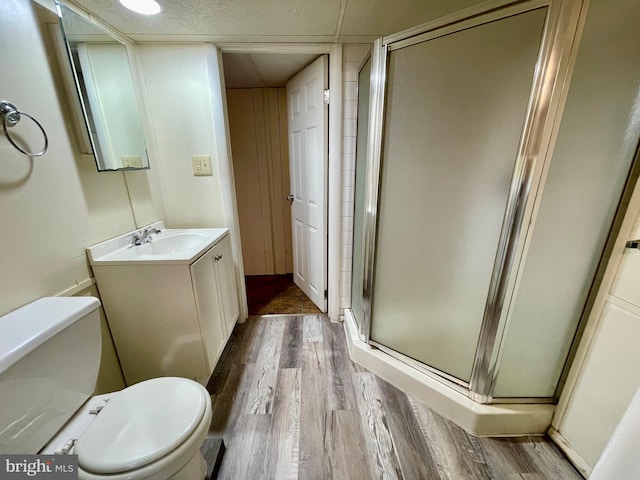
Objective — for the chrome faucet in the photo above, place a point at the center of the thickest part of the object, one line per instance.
(143, 236)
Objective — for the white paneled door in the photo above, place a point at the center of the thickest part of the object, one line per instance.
(308, 159)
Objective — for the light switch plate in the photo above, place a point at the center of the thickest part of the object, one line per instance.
(131, 161)
(201, 165)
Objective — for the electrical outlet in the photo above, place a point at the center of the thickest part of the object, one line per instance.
(131, 161)
(201, 165)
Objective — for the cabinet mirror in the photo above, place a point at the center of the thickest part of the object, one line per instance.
(106, 94)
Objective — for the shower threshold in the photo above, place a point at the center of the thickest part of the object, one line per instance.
(448, 399)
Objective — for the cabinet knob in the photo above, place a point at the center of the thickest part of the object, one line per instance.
(217, 257)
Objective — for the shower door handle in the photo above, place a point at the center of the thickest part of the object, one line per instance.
(633, 244)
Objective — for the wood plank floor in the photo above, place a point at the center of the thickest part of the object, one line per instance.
(277, 294)
(290, 404)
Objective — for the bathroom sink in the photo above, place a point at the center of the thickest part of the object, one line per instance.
(168, 243)
(168, 246)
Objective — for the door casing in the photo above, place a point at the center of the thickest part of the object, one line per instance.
(334, 182)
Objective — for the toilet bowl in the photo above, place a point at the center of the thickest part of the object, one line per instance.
(151, 430)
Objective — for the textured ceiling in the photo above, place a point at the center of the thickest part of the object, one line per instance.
(252, 70)
(300, 21)
(268, 21)
(383, 17)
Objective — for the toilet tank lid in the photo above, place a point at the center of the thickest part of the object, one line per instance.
(24, 329)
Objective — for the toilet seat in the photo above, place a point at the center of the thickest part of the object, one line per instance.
(151, 429)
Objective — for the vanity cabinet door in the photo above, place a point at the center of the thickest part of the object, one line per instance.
(203, 275)
(227, 285)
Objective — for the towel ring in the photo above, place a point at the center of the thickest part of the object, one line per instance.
(10, 118)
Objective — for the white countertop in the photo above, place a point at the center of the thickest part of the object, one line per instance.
(120, 251)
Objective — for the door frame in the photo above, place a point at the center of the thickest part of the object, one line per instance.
(333, 187)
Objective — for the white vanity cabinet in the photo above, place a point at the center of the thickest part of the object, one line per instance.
(216, 299)
(170, 316)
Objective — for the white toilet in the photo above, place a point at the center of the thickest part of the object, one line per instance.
(49, 361)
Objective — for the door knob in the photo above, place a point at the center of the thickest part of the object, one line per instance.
(633, 244)
(290, 197)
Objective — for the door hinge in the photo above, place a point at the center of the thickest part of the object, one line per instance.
(325, 294)
(327, 96)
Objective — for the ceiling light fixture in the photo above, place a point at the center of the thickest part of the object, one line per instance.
(145, 7)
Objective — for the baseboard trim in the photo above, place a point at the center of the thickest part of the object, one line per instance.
(574, 457)
(77, 288)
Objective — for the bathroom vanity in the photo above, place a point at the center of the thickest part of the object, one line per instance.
(171, 302)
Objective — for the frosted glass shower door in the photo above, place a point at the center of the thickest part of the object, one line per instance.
(364, 77)
(454, 112)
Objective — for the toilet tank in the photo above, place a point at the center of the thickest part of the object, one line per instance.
(49, 360)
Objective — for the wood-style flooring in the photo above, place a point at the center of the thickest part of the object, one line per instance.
(290, 404)
(276, 294)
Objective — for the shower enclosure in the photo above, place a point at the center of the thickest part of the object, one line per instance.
(462, 266)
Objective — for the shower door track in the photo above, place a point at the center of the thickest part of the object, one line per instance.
(453, 382)
(450, 381)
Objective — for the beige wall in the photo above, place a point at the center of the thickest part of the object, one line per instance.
(258, 128)
(54, 206)
(183, 88)
(110, 377)
(178, 90)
